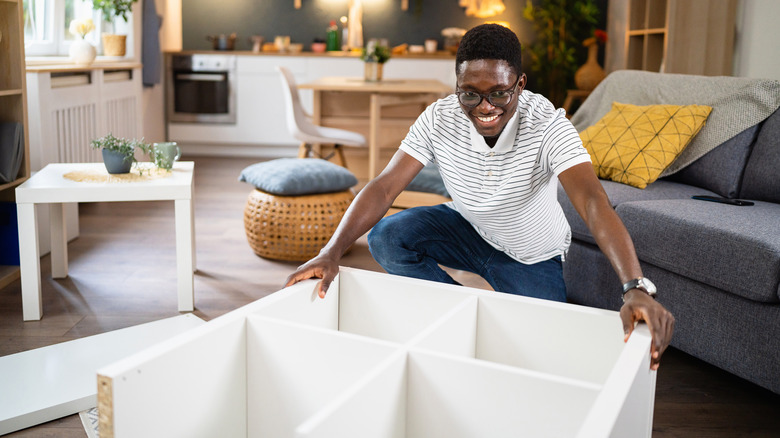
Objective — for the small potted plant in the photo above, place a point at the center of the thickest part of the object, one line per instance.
(374, 56)
(113, 44)
(119, 153)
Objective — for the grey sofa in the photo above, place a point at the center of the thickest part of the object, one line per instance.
(717, 266)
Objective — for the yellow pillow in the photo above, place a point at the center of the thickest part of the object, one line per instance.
(634, 144)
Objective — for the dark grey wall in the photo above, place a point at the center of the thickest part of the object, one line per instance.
(381, 19)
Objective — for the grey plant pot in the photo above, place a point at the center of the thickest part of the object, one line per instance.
(116, 162)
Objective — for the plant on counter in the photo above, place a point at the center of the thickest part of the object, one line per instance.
(119, 153)
(113, 44)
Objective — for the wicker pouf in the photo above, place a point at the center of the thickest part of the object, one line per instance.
(292, 227)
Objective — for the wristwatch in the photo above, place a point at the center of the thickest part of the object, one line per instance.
(642, 283)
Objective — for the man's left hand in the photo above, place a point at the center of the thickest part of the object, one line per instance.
(640, 306)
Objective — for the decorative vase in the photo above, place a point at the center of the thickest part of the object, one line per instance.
(116, 162)
(590, 74)
(114, 45)
(82, 52)
(373, 71)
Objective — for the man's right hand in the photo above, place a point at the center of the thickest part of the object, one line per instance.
(322, 266)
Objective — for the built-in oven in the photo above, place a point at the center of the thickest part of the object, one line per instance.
(201, 89)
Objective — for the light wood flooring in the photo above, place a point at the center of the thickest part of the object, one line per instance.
(123, 272)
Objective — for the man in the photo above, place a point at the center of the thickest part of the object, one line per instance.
(499, 150)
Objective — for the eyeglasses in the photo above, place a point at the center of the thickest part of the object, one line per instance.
(499, 98)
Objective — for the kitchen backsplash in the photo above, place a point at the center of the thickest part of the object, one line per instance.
(381, 19)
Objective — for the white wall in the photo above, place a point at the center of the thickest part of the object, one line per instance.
(756, 50)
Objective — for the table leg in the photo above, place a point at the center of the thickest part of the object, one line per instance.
(185, 254)
(30, 262)
(373, 142)
(59, 241)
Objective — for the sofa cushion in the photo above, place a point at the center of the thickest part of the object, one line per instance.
(721, 169)
(620, 193)
(634, 144)
(429, 181)
(298, 176)
(762, 178)
(736, 249)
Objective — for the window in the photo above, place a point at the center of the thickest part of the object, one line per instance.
(46, 25)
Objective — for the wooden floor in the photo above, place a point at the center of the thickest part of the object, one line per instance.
(122, 273)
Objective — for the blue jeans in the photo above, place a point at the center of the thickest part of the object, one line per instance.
(414, 242)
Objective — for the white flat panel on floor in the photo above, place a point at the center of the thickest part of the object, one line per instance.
(392, 308)
(375, 408)
(296, 370)
(51, 382)
(192, 386)
(457, 397)
(550, 337)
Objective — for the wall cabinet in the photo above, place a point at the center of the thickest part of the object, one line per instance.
(13, 101)
(671, 36)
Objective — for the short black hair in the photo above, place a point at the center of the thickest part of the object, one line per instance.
(490, 41)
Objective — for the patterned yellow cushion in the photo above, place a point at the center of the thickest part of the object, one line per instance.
(634, 144)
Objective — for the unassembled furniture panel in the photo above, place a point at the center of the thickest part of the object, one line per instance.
(51, 382)
(386, 356)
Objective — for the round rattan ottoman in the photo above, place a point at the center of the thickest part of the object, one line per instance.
(292, 228)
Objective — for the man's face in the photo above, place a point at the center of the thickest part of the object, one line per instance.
(485, 76)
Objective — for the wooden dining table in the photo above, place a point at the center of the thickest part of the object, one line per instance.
(387, 92)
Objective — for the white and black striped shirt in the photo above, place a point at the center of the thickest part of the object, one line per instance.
(507, 192)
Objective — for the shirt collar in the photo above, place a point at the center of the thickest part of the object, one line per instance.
(505, 141)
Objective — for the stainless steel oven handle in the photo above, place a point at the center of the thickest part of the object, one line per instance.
(201, 77)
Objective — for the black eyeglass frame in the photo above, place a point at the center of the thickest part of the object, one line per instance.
(482, 96)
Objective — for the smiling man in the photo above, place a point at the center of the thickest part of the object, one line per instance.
(501, 151)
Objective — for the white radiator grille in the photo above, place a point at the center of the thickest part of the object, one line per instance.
(120, 117)
(75, 128)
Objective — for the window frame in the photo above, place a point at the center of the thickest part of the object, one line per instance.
(57, 43)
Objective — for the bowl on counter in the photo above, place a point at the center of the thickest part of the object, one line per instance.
(318, 47)
(295, 47)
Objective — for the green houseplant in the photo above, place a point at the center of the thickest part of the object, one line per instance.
(119, 153)
(374, 56)
(113, 44)
(556, 54)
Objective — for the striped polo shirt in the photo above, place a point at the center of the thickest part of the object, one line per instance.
(507, 192)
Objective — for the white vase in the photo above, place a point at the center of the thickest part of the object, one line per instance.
(82, 52)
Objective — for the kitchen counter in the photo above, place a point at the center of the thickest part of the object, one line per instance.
(66, 66)
(437, 55)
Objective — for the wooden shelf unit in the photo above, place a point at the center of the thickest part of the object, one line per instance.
(671, 36)
(13, 99)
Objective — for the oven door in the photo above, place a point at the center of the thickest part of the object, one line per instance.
(201, 96)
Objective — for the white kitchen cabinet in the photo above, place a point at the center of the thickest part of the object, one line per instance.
(387, 356)
(261, 129)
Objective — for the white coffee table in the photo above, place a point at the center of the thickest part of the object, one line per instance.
(50, 187)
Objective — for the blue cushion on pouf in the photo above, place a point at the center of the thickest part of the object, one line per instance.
(298, 176)
(429, 181)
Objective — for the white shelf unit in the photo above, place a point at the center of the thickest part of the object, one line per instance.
(386, 356)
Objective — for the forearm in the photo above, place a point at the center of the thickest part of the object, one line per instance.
(614, 241)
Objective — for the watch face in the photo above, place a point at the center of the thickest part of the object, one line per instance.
(648, 285)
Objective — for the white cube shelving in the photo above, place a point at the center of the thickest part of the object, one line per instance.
(386, 356)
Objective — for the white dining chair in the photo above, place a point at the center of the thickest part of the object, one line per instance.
(301, 128)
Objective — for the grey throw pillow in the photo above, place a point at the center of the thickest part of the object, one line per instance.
(298, 176)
